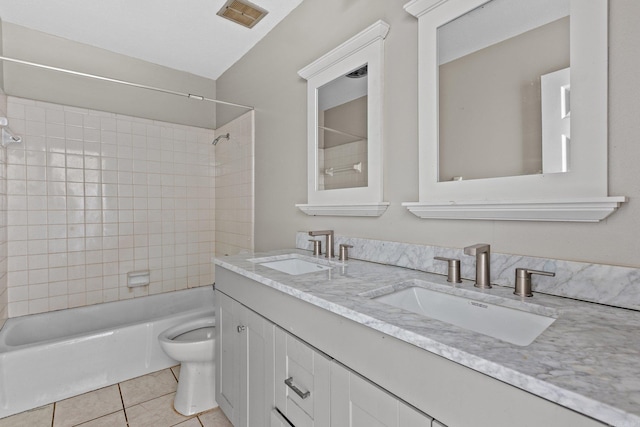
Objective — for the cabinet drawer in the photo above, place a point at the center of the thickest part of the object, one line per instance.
(356, 402)
(302, 382)
(277, 420)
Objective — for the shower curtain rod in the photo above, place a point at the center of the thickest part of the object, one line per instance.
(122, 82)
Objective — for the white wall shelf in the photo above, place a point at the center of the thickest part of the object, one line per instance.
(364, 209)
(593, 209)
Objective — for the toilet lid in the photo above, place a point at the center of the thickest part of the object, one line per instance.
(200, 334)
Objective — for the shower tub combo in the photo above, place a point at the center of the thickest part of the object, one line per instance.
(51, 356)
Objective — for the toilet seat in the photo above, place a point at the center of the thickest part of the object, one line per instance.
(171, 334)
(191, 341)
(200, 334)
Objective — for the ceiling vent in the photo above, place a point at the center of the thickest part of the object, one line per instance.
(242, 12)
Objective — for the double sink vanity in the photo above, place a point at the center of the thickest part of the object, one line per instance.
(368, 341)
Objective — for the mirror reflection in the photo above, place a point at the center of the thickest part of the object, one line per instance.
(342, 132)
(504, 90)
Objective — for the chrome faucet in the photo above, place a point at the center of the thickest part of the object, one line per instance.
(329, 246)
(483, 266)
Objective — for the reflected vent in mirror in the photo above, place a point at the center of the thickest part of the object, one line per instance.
(360, 72)
(242, 12)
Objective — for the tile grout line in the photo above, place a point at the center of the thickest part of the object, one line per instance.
(124, 410)
(173, 373)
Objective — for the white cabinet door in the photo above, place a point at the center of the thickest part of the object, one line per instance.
(302, 382)
(244, 363)
(356, 402)
(228, 356)
(256, 380)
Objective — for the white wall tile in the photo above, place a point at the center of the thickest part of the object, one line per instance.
(91, 194)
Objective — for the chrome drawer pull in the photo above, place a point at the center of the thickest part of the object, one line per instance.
(300, 393)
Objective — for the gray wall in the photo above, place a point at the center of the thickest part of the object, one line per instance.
(267, 78)
(4, 293)
(512, 121)
(1, 53)
(51, 86)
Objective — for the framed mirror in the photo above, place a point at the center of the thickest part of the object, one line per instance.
(344, 127)
(502, 135)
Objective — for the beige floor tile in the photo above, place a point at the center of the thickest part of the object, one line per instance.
(176, 371)
(215, 418)
(148, 387)
(39, 417)
(112, 420)
(87, 407)
(158, 412)
(192, 422)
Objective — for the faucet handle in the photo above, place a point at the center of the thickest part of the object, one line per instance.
(453, 272)
(523, 280)
(344, 252)
(317, 246)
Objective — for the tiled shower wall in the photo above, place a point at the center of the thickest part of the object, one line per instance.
(234, 186)
(94, 195)
(4, 293)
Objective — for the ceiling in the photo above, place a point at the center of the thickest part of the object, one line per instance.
(184, 35)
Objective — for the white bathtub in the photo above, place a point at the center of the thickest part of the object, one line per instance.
(52, 356)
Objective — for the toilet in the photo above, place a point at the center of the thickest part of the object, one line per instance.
(192, 344)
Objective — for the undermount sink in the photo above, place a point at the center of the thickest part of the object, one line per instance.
(295, 266)
(508, 324)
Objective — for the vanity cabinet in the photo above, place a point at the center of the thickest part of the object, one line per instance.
(244, 363)
(369, 370)
(302, 382)
(356, 402)
(268, 377)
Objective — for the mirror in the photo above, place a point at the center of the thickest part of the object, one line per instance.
(565, 180)
(492, 106)
(344, 131)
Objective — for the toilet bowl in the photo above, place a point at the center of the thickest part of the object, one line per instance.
(192, 344)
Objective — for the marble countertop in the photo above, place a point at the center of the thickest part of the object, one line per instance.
(588, 360)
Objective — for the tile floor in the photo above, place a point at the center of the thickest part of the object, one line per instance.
(145, 401)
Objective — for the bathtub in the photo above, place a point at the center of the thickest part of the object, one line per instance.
(48, 357)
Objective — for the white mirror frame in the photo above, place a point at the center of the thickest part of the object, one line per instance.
(578, 195)
(367, 47)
